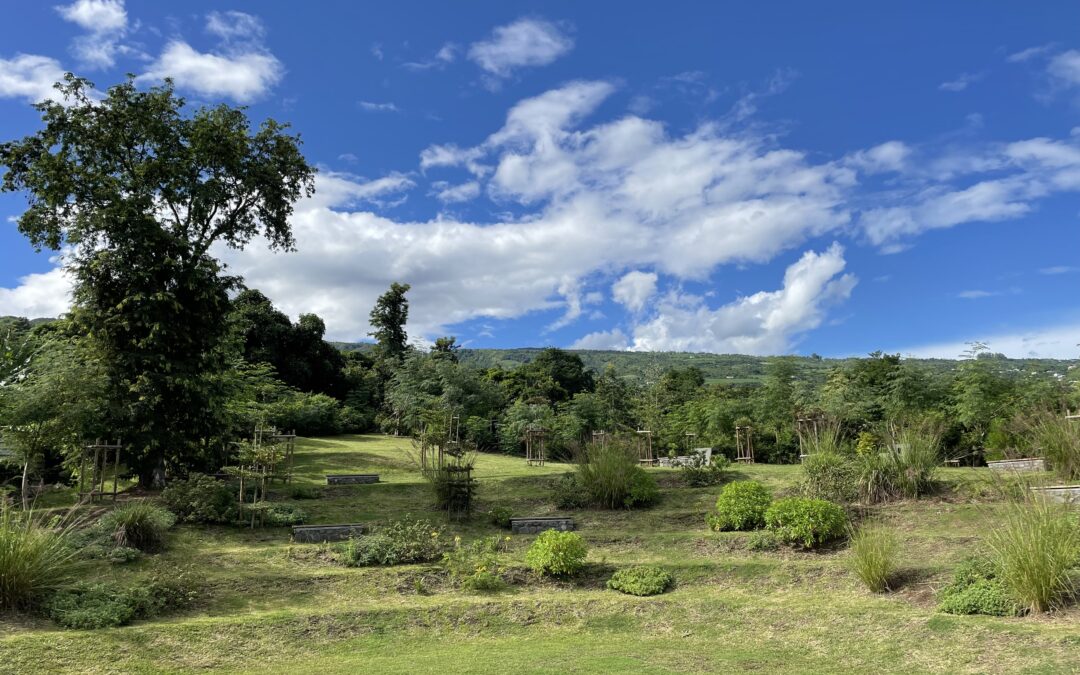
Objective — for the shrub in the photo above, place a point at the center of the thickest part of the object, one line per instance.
(304, 492)
(873, 556)
(976, 589)
(612, 477)
(557, 553)
(89, 606)
(740, 506)
(830, 475)
(454, 487)
(699, 474)
(284, 515)
(762, 540)
(35, 560)
(475, 567)
(138, 524)
(641, 581)
(118, 555)
(1034, 550)
(401, 542)
(568, 493)
(806, 522)
(200, 499)
(500, 516)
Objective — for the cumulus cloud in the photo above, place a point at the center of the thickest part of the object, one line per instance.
(46, 294)
(766, 322)
(106, 23)
(1049, 342)
(453, 194)
(240, 75)
(523, 43)
(614, 340)
(634, 289)
(30, 77)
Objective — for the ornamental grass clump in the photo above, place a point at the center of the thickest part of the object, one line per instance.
(1035, 549)
(641, 581)
(36, 559)
(873, 556)
(1058, 440)
(612, 477)
(740, 506)
(139, 524)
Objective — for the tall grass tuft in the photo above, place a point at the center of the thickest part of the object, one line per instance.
(35, 559)
(1035, 548)
(914, 459)
(138, 524)
(873, 556)
(610, 474)
(1058, 440)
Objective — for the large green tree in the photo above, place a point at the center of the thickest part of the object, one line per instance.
(139, 188)
(388, 319)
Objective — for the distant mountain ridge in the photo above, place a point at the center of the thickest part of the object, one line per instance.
(731, 368)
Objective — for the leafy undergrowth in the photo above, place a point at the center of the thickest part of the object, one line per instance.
(267, 605)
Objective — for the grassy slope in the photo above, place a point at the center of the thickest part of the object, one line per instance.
(272, 606)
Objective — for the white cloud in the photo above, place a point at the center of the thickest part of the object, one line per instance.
(766, 322)
(235, 26)
(634, 289)
(605, 340)
(523, 43)
(1065, 68)
(1030, 53)
(106, 22)
(888, 156)
(377, 51)
(961, 82)
(47, 294)
(453, 194)
(242, 75)
(977, 294)
(30, 77)
(1050, 342)
(1059, 269)
(612, 196)
(340, 190)
(378, 107)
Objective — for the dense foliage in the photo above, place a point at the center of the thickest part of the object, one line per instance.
(641, 581)
(140, 525)
(805, 522)
(610, 475)
(977, 588)
(740, 506)
(401, 542)
(557, 553)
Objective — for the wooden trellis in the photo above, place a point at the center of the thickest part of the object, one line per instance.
(691, 441)
(744, 444)
(600, 437)
(645, 450)
(535, 447)
(806, 428)
(97, 455)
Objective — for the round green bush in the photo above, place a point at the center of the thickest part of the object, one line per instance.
(641, 581)
(805, 522)
(557, 553)
(740, 506)
(500, 516)
(200, 499)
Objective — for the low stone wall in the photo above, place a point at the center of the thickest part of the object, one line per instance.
(1060, 493)
(316, 534)
(351, 478)
(1027, 464)
(535, 525)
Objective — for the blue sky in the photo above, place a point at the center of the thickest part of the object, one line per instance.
(730, 177)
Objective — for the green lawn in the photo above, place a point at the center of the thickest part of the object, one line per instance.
(271, 606)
